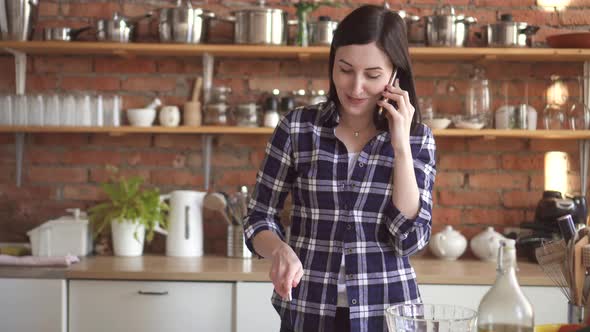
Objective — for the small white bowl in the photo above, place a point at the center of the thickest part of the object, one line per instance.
(440, 123)
(469, 125)
(141, 117)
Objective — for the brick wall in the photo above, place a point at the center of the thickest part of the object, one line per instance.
(480, 182)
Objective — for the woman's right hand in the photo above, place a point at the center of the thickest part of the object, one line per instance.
(286, 270)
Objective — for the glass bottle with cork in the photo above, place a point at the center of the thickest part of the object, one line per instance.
(504, 308)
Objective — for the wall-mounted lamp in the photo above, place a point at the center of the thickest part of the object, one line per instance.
(551, 5)
(556, 171)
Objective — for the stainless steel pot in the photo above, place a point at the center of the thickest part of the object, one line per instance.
(415, 28)
(63, 33)
(118, 29)
(184, 25)
(260, 25)
(506, 33)
(322, 31)
(444, 28)
(17, 19)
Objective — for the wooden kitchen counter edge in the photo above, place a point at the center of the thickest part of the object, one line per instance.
(224, 269)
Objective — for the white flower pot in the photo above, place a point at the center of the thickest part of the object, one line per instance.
(125, 242)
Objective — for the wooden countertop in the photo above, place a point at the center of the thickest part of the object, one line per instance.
(218, 268)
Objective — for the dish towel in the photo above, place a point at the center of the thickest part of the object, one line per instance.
(60, 261)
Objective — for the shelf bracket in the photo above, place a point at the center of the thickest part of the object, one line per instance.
(20, 62)
(207, 151)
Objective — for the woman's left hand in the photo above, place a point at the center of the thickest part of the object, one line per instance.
(400, 119)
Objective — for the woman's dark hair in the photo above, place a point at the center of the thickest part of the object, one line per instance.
(387, 29)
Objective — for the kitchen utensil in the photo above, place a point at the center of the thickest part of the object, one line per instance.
(579, 272)
(185, 223)
(246, 115)
(569, 40)
(507, 33)
(63, 33)
(184, 24)
(440, 123)
(551, 257)
(192, 108)
(260, 25)
(426, 317)
(445, 28)
(322, 31)
(415, 28)
(67, 235)
(217, 202)
(236, 245)
(18, 19)
(141, 117)
(119, 28)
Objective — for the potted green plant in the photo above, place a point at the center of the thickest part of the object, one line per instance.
(132, 211)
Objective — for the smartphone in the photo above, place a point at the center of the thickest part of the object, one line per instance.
(380, 113)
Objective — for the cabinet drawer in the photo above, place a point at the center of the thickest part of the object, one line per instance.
(118, 306)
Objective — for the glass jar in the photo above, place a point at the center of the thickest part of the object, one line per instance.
(217, 110)
(246, 115)
(477, 99)
(554, 113)
(578, 116)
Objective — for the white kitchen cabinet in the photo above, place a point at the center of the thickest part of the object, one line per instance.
(254, 312)
(122, 306)
(33, 305)
(549, 304)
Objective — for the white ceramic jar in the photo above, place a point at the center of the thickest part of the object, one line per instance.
(485, 244)
(448, 244)
(169, 116)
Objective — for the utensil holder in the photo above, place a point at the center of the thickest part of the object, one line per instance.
(575, 313)
(236, 244)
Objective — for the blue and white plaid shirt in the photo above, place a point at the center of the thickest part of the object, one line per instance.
(334, 216)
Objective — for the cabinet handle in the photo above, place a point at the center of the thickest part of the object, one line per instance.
(152, 293)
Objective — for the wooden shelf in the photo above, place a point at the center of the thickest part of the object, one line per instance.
(285, 52)
(220, 130)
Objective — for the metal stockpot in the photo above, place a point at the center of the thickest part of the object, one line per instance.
(118, 29)
(444, 28)
(63, 33)
(17, 19)
(322, 31)
(184, 25)
(506, 33)
(260, 25)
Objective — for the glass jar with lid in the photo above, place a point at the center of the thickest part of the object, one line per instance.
(217, 110)
(477, 99)
(246, 115)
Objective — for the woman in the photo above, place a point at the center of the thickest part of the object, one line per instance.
(361, 187)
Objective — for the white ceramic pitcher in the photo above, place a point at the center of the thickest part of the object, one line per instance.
(185, 223)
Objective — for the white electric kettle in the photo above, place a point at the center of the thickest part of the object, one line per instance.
(185, 223)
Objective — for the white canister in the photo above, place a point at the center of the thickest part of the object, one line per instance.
(169, 116)
(531, 118)
(485, 244)
(128, 238)
(448, 244)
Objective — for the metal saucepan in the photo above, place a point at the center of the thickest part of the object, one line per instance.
(260, 25)
(17, 19)
(118, 29)
(63, 33)
(444, 28)
(506, 33)
(184, 24)
(322, 31)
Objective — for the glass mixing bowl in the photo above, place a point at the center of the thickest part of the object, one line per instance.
(430, 318)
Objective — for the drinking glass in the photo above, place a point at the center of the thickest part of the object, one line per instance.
(83, 114)
(68, 114)
(35, 110)
(6, 102)
(19, 110)
(52, 110)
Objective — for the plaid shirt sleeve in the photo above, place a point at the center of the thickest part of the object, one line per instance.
(273, 183)
(411, 235)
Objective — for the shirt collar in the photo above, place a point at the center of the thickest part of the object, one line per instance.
(329, 116)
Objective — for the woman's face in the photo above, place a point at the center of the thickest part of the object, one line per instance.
(360, 74)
